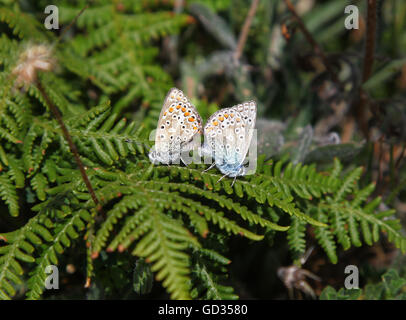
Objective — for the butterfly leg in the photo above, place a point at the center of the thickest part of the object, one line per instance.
(211, 166)
(235, 178)
(222, 177)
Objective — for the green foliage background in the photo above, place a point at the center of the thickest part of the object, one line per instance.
(173, 231)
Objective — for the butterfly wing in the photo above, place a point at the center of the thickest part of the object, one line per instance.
(228, 135)
(248, 111)
(178, 123)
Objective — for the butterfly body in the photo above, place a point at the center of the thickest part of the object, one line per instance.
(232, 170)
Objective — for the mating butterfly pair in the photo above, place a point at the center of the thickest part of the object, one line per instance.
(227, 134)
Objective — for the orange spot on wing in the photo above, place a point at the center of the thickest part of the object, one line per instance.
(226, 115)
(215, 123)
(221, 119)
(194, 128)
(191, 119)
(183, 109)
(165, 113)
(238, 120)
(178, 106)
(231, 115)
(170, 109)
(186, 114)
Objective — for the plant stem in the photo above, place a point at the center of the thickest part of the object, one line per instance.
(72, 23)
(71, 144)
(317, 49)
(361, 107)
(370, 40)
(242, 39)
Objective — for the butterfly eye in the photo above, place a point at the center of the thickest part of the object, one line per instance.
(162, 127)
(168, 122)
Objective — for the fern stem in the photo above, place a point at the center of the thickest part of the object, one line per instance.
(72, 23)
(246, 27)
(72, 145)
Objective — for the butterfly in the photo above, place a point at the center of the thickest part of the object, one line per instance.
(227, 138)
(178, 126)
(227, 134)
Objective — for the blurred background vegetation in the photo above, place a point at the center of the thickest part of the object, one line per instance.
(323, 92)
